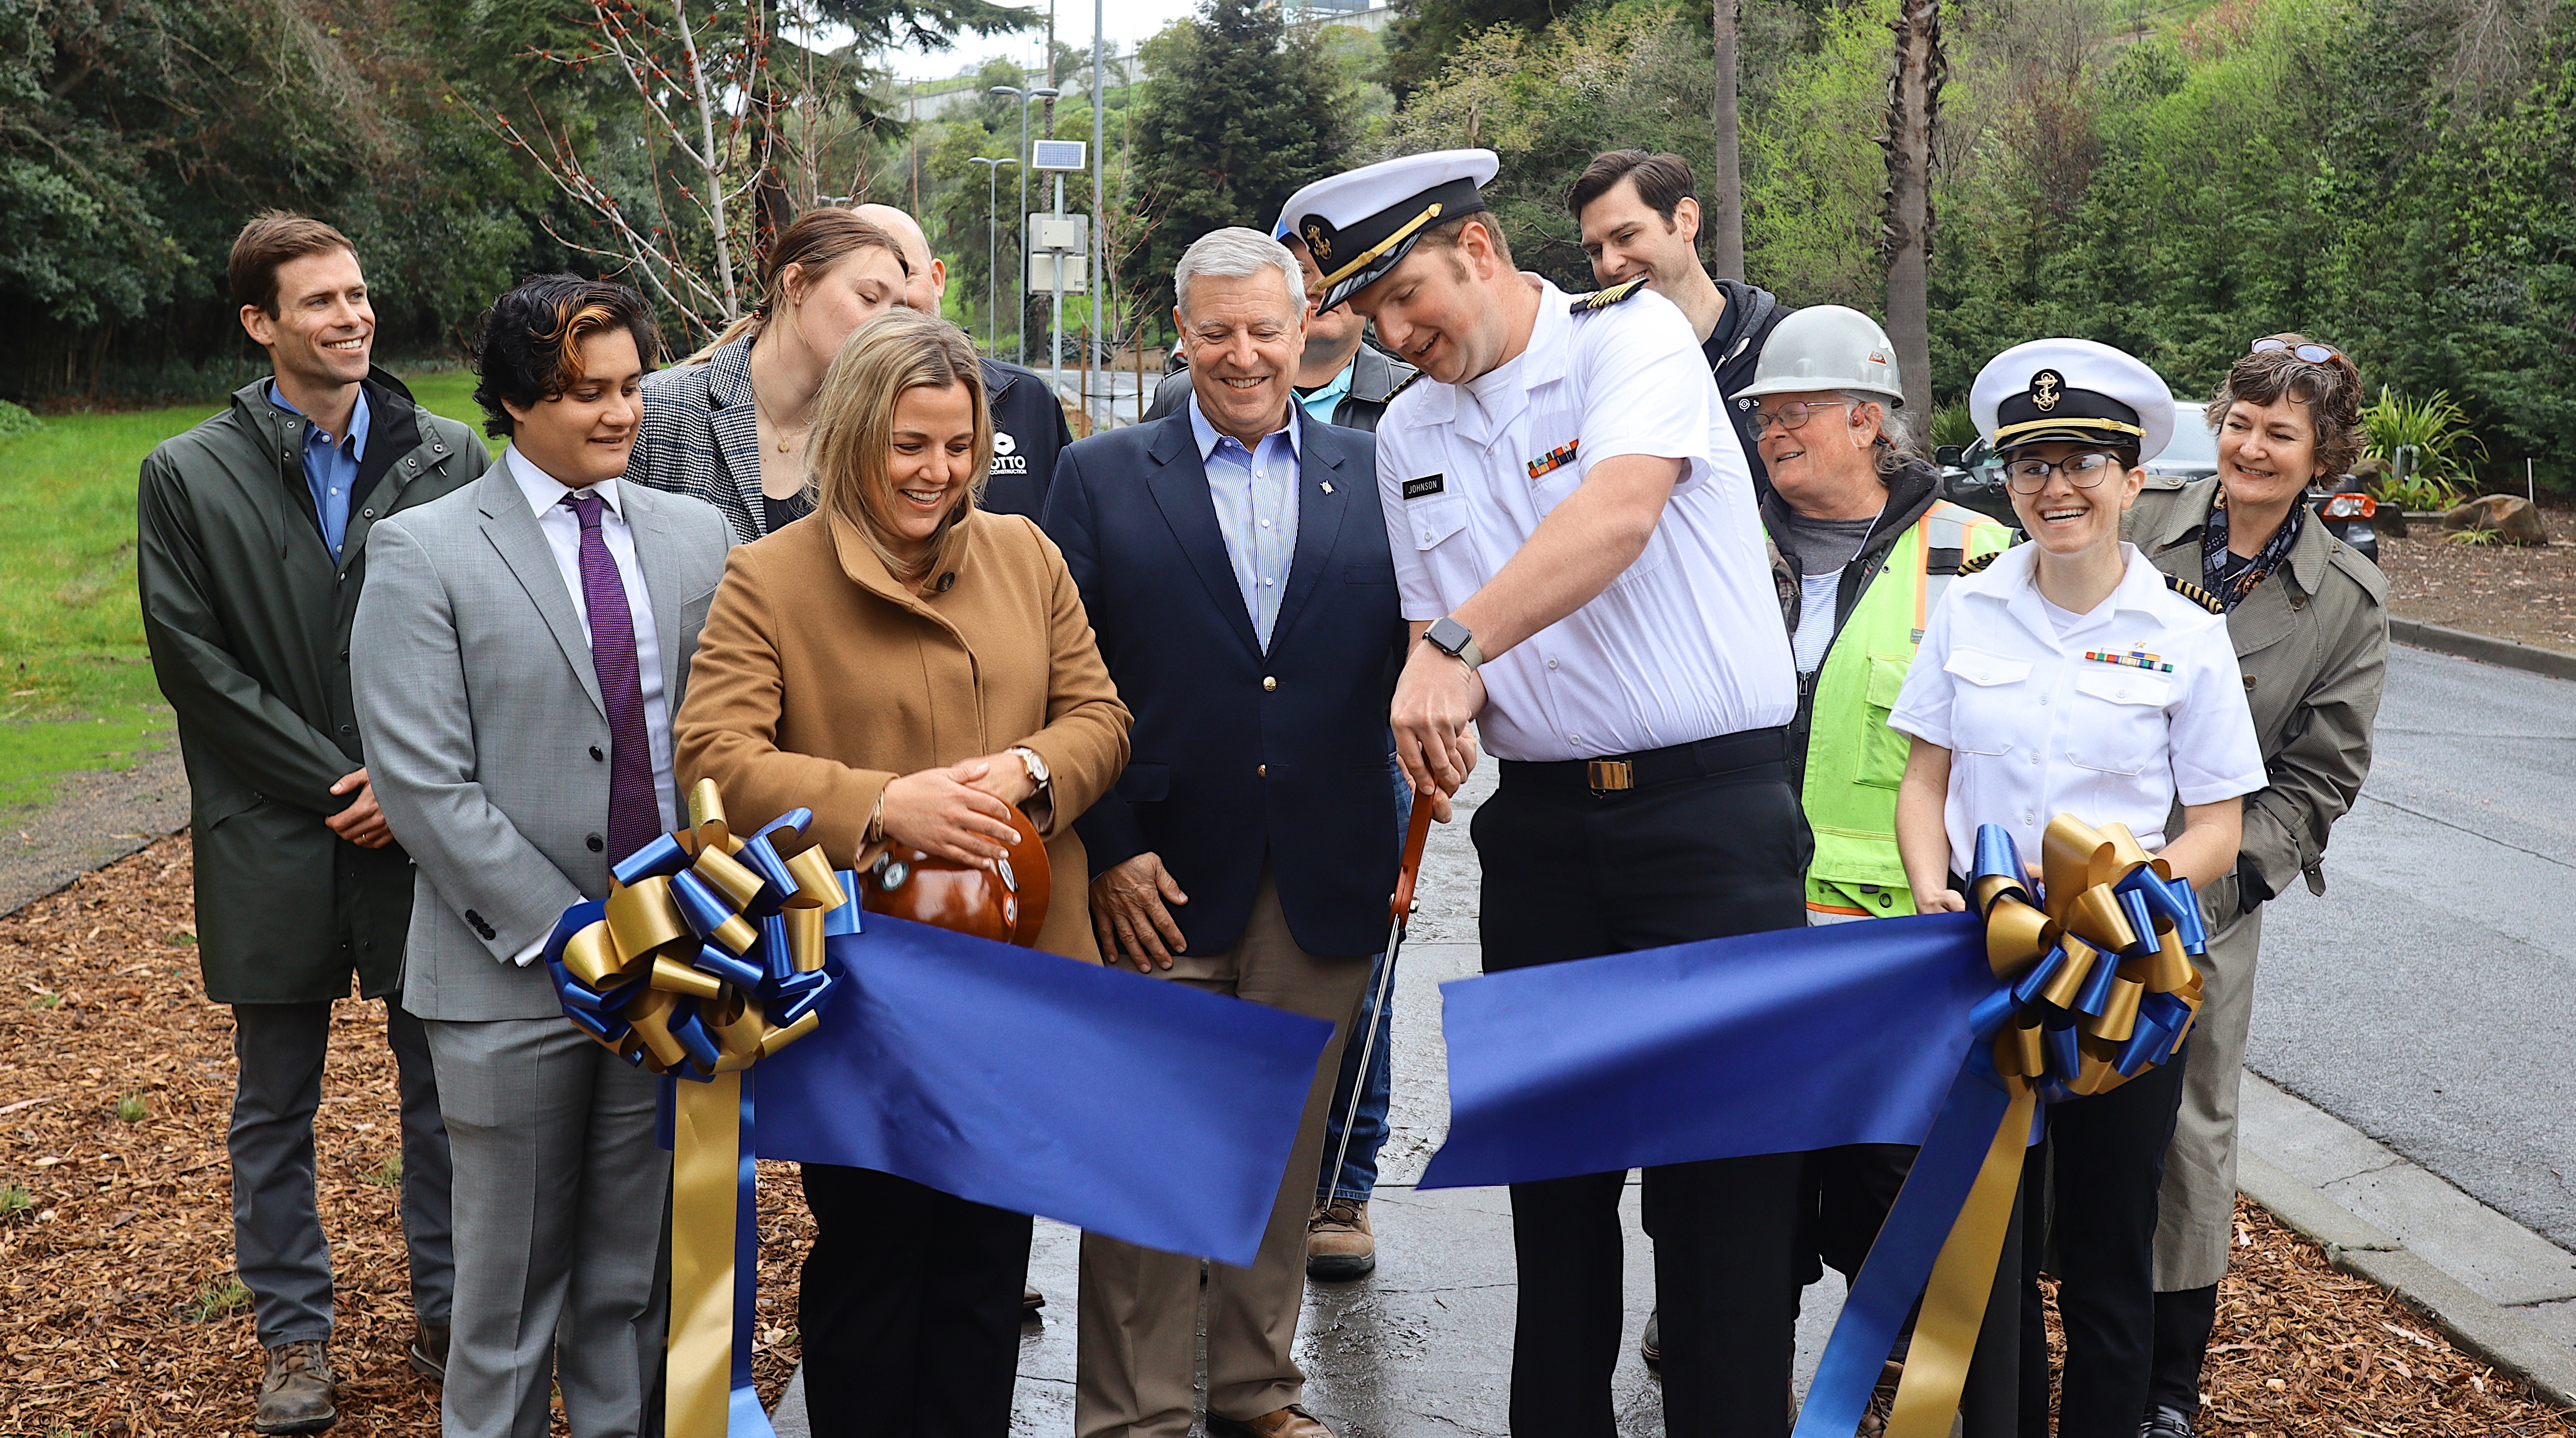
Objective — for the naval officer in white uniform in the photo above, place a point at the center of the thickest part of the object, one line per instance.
(1577, 550)
(2071, 676)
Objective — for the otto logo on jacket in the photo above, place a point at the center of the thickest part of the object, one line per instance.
(1006, 456)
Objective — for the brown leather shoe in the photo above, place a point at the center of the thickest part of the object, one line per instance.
(1289, 1422)
(1339, 1245)
(429, 1352)
(296, 1393)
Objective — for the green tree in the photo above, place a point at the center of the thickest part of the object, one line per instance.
(1425, 33)
(1241, 113)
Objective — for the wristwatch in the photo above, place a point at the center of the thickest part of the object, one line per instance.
(1037, 767)
(1453, 639)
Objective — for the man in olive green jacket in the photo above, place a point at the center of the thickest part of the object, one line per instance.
(2312, 641)
(252, 530)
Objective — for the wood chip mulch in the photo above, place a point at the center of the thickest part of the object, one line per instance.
(119, 1318)
(2522, 594)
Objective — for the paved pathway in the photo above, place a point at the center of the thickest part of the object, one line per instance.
(95, 818)
(2429, 999)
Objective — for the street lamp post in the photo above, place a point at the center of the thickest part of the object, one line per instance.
(1025, 94)
(992, 274)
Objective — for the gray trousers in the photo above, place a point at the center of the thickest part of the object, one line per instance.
(278, 1247)
(561, 1276)
(2196, 1209)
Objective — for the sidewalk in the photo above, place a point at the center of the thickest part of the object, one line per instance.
(94, 819)
(2498, 1289)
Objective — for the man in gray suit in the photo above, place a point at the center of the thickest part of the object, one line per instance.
(520, 651)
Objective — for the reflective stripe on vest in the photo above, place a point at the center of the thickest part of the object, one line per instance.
(1854, 761)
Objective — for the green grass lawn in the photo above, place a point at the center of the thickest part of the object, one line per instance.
(78, 684)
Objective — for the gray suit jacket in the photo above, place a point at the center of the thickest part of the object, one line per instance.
(486, 739)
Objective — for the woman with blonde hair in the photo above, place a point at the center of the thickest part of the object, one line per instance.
(733, 424)
(912, 668)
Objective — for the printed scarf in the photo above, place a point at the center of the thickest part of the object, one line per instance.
(2213, 553)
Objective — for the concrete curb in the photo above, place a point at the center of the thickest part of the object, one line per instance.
(2511, 1343)
(2508, 653)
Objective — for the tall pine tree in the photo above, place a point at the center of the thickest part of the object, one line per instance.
(1241, 113)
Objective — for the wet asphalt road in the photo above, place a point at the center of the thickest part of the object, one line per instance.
(2429, 1000)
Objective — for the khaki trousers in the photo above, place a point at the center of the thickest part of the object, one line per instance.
(2196, 1208)
(1141, 1308)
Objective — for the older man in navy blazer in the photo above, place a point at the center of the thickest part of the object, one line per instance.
(1234, 564)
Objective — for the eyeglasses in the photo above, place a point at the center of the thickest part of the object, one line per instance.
(2084, 471)
(1791, 417)
(2312, 353)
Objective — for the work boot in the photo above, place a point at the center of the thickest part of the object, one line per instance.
(429, 1352)
(2163, 1421)
(1030, 1299)
(1339, 1246)
(1289, 1422)
(296, 1393)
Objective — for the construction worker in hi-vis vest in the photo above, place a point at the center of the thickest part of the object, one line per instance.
(1868, 545)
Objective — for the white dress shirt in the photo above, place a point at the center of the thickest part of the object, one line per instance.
(1685, 645)
(562, 527)
(1255, 493)
(2036, 728)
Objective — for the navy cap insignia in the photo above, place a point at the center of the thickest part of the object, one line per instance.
(1318, 243)
(2044, 388)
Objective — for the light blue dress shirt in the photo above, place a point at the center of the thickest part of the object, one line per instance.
(1255, 491)
(330, 466)
(1320, 405)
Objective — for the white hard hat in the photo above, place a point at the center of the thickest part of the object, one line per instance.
(1826, 347)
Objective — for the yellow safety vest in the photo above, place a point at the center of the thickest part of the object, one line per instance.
(1854, 761)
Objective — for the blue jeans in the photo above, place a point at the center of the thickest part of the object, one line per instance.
(1369, 1130)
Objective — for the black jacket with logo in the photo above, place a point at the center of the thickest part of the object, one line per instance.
(1028, 433)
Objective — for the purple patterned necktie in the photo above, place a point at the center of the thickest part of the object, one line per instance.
(634, 816)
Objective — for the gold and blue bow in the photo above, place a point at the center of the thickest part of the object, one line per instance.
(2095, 984)
(707, 955)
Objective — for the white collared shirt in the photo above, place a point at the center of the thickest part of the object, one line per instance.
(1687, 644)
(2038, 725)
(562, 528)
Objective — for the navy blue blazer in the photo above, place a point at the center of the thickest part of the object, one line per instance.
(1240, 756)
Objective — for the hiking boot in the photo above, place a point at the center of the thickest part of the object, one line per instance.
(2165, 1421)
(296, 1393)
(1339, 1246)
(429, 1352)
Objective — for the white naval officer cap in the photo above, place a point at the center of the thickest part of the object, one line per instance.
(1362, 223)
(2072, 390)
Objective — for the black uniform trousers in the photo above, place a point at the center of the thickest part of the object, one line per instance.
(1570, 874)
(2090, 1186)
(909, 1309)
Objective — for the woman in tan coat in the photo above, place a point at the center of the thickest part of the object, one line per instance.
(909, 668)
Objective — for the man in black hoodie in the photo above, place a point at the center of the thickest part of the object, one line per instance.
(1640, 218)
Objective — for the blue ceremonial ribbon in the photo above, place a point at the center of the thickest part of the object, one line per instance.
(1761, 1043)
(1936, 1031)
(1008, 1077)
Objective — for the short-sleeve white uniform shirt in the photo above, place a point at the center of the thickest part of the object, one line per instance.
(2038, 725)
(1685, 645)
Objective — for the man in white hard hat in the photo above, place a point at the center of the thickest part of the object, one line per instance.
(1870, 545)
(1577, 550)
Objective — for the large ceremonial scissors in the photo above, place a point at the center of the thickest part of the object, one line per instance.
(1399, 910)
